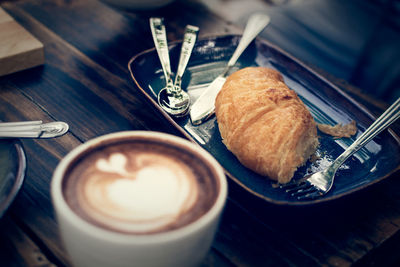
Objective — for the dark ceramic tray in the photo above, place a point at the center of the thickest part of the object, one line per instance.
(12, 171)
(327, 103)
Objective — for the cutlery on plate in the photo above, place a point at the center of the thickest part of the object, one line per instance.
(189, 40)
(172, 98)
(320, 183)
(203, 107)
(32, 129)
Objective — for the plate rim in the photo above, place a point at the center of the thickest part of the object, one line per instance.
(19, 177)
(303, 65)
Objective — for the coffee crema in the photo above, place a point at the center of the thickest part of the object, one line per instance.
(140, 186)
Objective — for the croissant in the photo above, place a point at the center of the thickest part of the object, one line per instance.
(264, 123)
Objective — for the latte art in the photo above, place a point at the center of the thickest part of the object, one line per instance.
(139, 188)
(146, 198)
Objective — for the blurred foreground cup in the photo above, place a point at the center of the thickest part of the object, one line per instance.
(138, 198)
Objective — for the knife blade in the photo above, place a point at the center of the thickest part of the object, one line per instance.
(204, 107)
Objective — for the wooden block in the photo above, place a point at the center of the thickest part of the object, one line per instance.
(19, 50)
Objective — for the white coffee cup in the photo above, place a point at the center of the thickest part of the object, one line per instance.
(89, 244)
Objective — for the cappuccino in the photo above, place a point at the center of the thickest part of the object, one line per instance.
(138, 198)
(139, 186)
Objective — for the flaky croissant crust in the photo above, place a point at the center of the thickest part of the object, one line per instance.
(264, 123)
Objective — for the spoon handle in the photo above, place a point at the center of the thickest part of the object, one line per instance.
(160, 41)
(189, 40)
(32, 129)
(254, 26)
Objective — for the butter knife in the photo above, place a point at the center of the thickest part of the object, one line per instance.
(203, 108)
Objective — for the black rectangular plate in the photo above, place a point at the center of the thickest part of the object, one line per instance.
(327, 103)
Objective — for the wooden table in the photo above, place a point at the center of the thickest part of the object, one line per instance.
(86, 83)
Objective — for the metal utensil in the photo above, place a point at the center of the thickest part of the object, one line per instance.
(172, 98)
(203, 107)
(189, 40)
(320, 183)
(32, 129)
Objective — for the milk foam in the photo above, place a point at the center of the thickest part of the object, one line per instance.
(143, 198)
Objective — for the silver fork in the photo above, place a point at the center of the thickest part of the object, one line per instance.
(319, 183)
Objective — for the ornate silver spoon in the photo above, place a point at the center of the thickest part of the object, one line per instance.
(172, 98)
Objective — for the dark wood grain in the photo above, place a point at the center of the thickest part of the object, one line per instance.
(93, 83)
(339, 233)
(17, 249)
(85, 82)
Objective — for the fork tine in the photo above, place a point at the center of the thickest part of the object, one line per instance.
(303, 186)
(290, 185)
(316, 194)
(303, 192)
